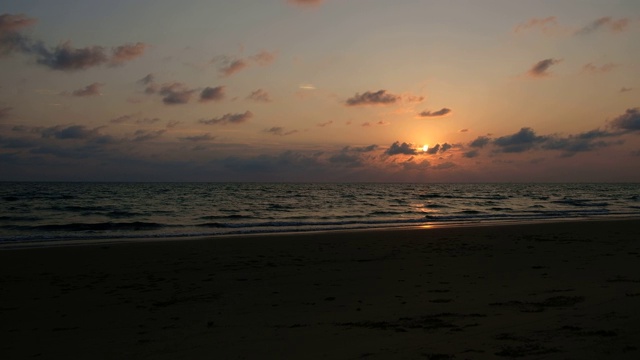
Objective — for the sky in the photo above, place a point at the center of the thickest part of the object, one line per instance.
(320, 90)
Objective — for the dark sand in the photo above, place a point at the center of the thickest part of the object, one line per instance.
(557, 290)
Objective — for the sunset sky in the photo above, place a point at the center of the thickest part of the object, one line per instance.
(313, 90)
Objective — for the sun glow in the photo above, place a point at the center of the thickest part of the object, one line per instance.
(425, 147)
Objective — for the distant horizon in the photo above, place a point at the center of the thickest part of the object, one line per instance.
(328, 91)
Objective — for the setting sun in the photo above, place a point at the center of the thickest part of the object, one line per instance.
(425, 147)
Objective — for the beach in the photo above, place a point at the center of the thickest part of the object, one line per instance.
(557, 290)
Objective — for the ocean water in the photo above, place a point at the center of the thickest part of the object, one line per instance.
(49, 212)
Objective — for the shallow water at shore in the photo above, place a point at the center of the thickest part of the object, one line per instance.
(56, 211)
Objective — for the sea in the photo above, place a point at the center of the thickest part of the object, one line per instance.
(50, 213)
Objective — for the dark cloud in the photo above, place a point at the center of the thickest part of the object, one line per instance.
(147, 80)
(259, 96)
(606, 22)
(480, 142)
(629, 121)
(346, 159)
(625, 89)
(441, 112)
(360, 149)
(212, 94)
(89, 90)
(523, 140)
(175, 93)
(199, 138)
(17, 143)
(572, 144)
(279, 131)
(10, 38)
(464, 130)
(66, 58)
(147, 121)
(438, 148)
(540, 69)
(411, 164)
(401, 149)
(146, 135)
(229, 119)
(471, 154)
(445, 165)
(63, 57)
(70, 132)
(373, 98)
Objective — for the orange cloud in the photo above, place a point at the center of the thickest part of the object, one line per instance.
(547, 25)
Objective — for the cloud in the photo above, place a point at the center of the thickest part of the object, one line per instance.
(523, 140)
(232, 67)
(12, 23)
(471, 154)
(66, 58)
(124, 53)
(212, 94)
(89, 90)
(147, 80)
(229, 119)
(439, 148)
(401, 149)
(259, 96)
(586, 141)
(593, 69)
(10, 38)
(146, 135)
(480, 142)
(380, 97)
(625, 89)
(175, 93)
(441, 112)
(629, 121)
(361, 149)
(228, 65)
(379, 123)
(132, 119)
(327, 123)
(540, 69)
(613, 25)
(305, 2)
(199, 138)
(4, 112)
(464, 130)
(546, 25)
(279, 131)
(263, 58)
(72, 132)
(63, 57)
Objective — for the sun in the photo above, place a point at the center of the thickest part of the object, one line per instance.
(425, 147)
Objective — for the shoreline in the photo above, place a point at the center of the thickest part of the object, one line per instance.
(106, 240)
(566, 290)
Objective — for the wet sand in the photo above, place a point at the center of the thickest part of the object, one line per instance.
(566, 290)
